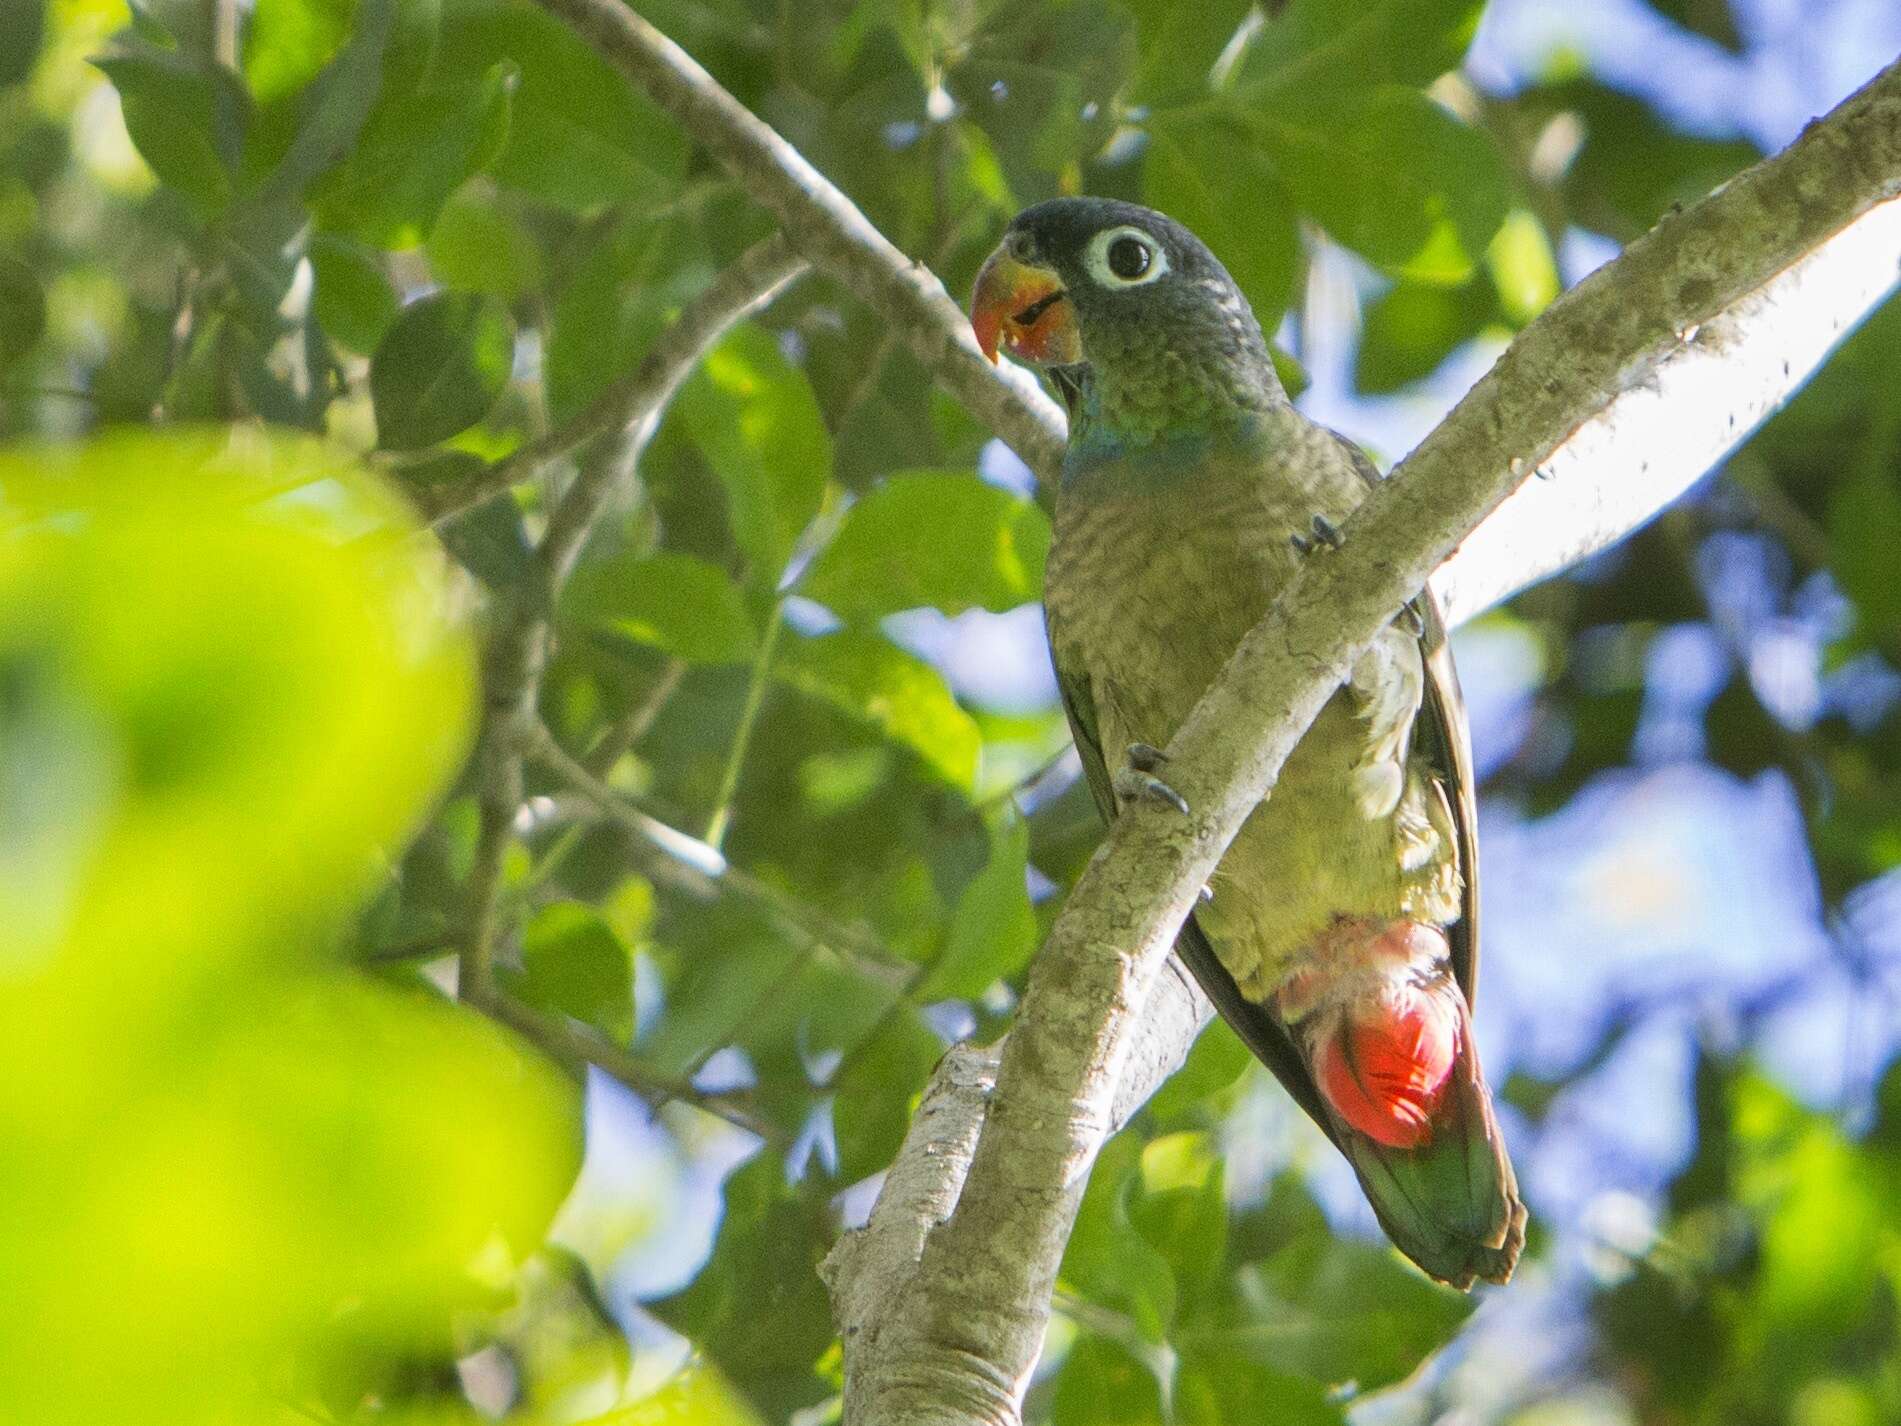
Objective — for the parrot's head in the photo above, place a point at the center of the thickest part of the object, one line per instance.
(1094, 286)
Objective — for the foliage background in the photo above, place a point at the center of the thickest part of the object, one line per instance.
(261, 1166)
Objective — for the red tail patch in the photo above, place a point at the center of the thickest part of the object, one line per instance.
(1386, 1067)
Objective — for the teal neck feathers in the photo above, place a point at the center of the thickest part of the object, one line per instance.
(1161, 398)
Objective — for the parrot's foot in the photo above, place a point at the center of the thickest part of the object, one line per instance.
(1325, 532)
(1137, 778)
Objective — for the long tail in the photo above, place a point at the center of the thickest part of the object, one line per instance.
(1387, 1039)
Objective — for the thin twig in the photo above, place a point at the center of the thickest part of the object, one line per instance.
(704, 871)
(827, 227)
(619, 737)
(518, 651)
(721, 815)
(755, 278)
(574, 1047)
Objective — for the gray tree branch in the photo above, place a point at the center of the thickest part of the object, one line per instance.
(949, 1332)
(826, 226)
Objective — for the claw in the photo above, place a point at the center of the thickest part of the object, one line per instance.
(1144, 757)
(1415, 618)
(1301, 544)
(1137, 778)
(1326, 532)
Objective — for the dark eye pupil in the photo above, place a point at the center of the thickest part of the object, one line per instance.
(1128, 258)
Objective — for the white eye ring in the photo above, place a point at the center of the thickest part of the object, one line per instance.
(1096, 259)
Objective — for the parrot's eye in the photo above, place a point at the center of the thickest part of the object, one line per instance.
(1125, 257)
(1020, 247)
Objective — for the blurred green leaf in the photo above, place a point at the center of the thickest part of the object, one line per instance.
(575, 964)
(1864, 526)
(1107, 1261)
(477, 246)
(1208, 174)
(219, 1153)
(415, 151)
(1632, 166)
(187, 116)
(1339, 1311)
(1392, 175)
(875, 1090)
(684, 606)
(491, 540)
(287, 42)
(694, 1396)
(439, 368)
(1103, 1384)
(1179, 45)
(353, 300)
(906, 699)
(338, 103)
(1323, 52)
(579, 135)
(1413, 327)
(1524, 269)
(1218, 1389)
(754, 418)
(22, 311)
(22, 32)
(612, 306)
(993, 930)
(757, 1309)
(939, 538)
(1711, 19)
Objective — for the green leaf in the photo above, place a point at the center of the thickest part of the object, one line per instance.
(942, 539)
(580, 135)
(187, 117)
(1179, 45)
(1339, 1311)
(1208, 174)
(1220, 1389)
(1183, 1210)
(574, 963)
(490, 541)
(1711, 19)
(1632, 166)
(22, 32)
(439, 368)
(1103, 1384)
(754, 418)
(681, 605)
(287, 42)
(993, 930)
(353, 300)
(22, 311)
(1321, 52)
(416, 150)
(757, 1309)
(612, 307)
(1524, 269)
(1413, 327)
(1106, 1260)
(477, 246)
(1392, 175)
(875, 1090)
(906, 699)
(337, 105)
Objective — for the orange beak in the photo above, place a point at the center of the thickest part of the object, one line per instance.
(1023, 309)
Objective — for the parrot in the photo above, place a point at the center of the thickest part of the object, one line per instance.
(1338, 936)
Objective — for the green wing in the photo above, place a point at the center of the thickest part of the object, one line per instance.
(1261, 1032)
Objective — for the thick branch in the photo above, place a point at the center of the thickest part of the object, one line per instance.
(963, 1327)
(824, 225)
